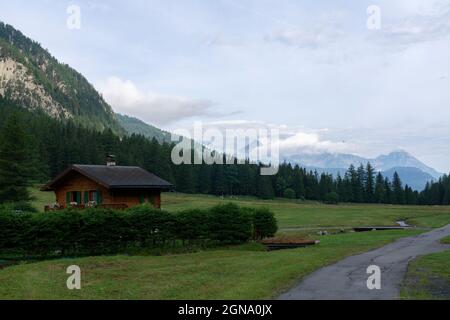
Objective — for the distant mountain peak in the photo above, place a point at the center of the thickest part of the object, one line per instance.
(412, 171)
(399, 152)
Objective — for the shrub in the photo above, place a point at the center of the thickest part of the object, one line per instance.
(103, 231)
(14, 230)
(229, 224)
(264, 224)
(289, 194)
(22, 206)
(331, 198)
(151, 226)
(193, 225)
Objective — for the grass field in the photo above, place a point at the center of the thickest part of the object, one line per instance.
(243, 272)
(239, 272)
(428, 277)
(41, 199)
(296, 214)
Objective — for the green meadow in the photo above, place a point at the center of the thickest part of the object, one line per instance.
(234, 272)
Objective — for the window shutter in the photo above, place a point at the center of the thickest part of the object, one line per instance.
(78, 197)
(142, 199)
(68, 198)
(86, 197)
(99, 197)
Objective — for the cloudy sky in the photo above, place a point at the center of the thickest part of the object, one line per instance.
(311, 68)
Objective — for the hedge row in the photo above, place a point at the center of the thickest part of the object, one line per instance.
(99, 231)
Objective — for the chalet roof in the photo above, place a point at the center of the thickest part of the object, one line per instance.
(114, 177)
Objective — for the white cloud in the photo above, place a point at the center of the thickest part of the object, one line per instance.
(125, 97)
(327, 30)
(304, 38)
(303, 142)
(292, 140)
(422, 26)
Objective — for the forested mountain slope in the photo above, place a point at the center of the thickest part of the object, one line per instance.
(32, 78)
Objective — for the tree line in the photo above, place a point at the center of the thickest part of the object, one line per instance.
(35, 148)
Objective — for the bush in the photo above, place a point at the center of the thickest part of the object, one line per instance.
(264, 224)
(150, 226)
(289, 194)
(331, 198)
(229, 224)
(22, 206)
(193, 225)
(103, 231)
(14, 230)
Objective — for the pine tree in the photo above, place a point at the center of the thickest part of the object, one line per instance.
(370, 183)
(380, 189)
(356, 181)
(265, 189)
(360, 184)
(13, 162)
(397, 189)
(388, 191)
(298, 183)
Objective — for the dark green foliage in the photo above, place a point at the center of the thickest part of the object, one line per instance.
(14, 231)
(436, 193)
(265, 189)
(193, 225)
(98, 231)
(14, 164)
(380, 189)
(229, 224)
(136, 126)
(264, 223)
(289, 193)
(370, 183)
(331, 198)
(20, 206)
(398, 193)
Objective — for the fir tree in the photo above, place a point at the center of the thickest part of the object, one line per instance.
(397, 190)
(14, 159)
(380, 189)
(370, 183)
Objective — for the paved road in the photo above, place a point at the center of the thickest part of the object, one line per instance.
(347, 279)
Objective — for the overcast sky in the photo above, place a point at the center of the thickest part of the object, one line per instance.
(312, 68)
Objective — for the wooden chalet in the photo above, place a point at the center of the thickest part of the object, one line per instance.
(110, 186)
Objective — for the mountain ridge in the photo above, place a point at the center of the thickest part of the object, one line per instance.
(133, 125)
(343, 161)
(33, 79)
(411, 170)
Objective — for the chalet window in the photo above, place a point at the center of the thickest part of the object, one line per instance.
(93, 196)
(74, 196)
